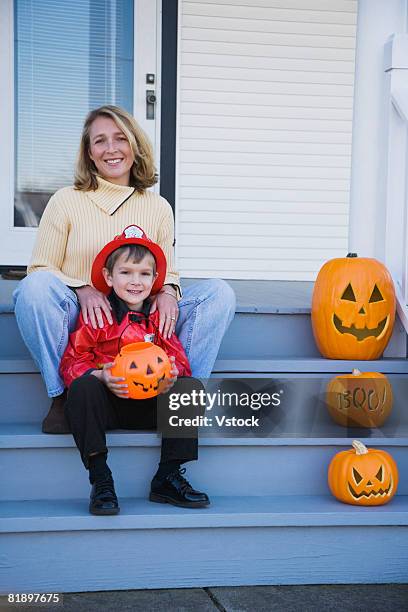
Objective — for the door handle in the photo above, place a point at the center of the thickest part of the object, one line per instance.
(150, 103)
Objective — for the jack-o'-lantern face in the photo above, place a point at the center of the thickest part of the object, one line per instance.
(366, 477)
(144, 367)
(354, 313)
(359, 399)
(370, 485)
(152, 376)
(353, 308)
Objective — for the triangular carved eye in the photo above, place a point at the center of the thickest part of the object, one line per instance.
(159, 360)
(132, 366)
(379, 474)
(376, 295)
(149, 370)
(348, 294)
(357, 476)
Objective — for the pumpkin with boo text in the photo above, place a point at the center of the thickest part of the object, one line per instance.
(359, 399)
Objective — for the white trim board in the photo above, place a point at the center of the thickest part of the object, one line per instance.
(264, 137)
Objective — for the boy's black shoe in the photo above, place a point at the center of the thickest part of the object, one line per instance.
(175, 489)
(103, 498)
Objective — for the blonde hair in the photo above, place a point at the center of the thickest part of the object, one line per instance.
(143, 172)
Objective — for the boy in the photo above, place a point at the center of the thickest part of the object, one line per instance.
(128, 270)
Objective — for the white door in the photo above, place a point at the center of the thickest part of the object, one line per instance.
(58, 60)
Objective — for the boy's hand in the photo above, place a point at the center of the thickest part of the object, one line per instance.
(93, 303)
(114, 383)
(167, 383)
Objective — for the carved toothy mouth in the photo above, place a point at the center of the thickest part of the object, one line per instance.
(150, 387)
(368, 494)
(360, 334)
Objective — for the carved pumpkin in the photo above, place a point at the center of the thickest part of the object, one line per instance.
(359, 399)
(353, 308)
(144, 366)
(362, 476)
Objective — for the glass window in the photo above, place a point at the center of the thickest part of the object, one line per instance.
(70, 57)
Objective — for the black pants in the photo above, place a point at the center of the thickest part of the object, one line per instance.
(91, 410)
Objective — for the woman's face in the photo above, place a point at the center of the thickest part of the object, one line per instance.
(110, 151)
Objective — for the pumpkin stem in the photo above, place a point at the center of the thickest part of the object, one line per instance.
(359, 447)
(352, 255)
(356, 372)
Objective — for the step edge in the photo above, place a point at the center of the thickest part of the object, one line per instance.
(123, 438)
(266, 366)
(176, 518)
(8, 309)
(309, 365)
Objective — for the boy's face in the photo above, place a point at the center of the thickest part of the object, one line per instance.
(132, 281)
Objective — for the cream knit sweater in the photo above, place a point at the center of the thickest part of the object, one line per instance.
(76, 224)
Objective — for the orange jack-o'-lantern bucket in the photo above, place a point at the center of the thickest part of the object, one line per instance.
(143, 365)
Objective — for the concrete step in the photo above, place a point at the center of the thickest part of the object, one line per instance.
(56, 546)
(39, 466)
(300, 383)
(251, 335)
(273, 317)
(272, 321)
(266, 335)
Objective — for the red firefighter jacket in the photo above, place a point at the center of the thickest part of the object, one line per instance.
(88, 348)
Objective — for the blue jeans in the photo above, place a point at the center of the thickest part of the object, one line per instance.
(47, 310)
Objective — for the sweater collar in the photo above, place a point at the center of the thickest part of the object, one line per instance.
(110, 196)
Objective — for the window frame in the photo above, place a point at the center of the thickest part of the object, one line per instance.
(12, 255)
(10, 235)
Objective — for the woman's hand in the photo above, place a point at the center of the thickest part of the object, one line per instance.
(167, 383)
(166, 303)
(93, 303)
(114, 383)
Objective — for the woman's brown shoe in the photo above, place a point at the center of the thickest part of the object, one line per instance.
(56, 422)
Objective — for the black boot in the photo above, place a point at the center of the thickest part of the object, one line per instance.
(175, 489)
(56, 422)
(103, 498)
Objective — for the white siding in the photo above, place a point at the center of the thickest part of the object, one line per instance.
(264, 136)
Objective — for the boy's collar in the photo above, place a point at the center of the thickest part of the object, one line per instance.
(120, 309)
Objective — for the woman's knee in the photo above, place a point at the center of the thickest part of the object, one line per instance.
(216, 289)
(223, 293)
(37, 288)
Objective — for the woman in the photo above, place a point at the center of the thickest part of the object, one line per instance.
(115, 166)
